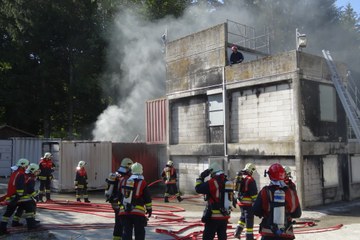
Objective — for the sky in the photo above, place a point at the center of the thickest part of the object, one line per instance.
(354, 3)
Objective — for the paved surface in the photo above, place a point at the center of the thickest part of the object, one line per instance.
(64, 220)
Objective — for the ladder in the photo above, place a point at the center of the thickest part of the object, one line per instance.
(352, 112)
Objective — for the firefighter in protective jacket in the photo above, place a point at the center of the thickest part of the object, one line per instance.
(170, 178)
(115, 192)
(27, 203)
(45, 176)
(288, 178)
(15, 191)
(246, 193)
(81, 182)
(277, 205)
(218, 194)
(135, 205)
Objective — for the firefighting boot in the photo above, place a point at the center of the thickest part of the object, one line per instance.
(86, 200)
(16, 224)
(40, 197)
(48, 199)
(238, 231)
(3, 228)
(179, 198)
(32, 224)
(166, 199)
(78, 200)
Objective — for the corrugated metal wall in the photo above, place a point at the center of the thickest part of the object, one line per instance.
(156, 111)
(97, 156)
(5, 157)
(148, 155)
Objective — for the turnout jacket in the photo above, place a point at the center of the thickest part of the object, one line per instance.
(137, 192)
(264, 207)
(247, 192)
(81, 178)
(169, 175)
(46, 167)
(214, 189)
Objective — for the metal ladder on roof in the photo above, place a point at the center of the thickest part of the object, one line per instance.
(349, 104)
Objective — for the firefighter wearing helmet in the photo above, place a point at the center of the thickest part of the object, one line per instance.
(218, 207)
(169, 176)
(277, 205)
(288, 178)
(28, 203)
(114, 192)
(15, 191)
(246, 193)
(81, 182)
(136, 204)
(47, 167)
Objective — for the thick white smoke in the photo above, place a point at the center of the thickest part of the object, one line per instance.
(143, 67)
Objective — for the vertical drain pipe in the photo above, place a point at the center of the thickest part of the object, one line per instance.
(226, 159)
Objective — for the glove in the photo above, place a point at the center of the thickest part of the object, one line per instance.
(149, 212)
(205, 173)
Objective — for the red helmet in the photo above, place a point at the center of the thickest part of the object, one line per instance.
(276, 172)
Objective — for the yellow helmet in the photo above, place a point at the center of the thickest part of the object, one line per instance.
(22, 162)
(215, 167)
(137, 168)
(249, 168)
(125, 165)
(32, 168)
(287, 171)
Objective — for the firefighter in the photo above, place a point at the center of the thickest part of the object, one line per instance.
(115, 191)
(15, 191)
(170, 178)
(246, 193)
(81, 182)
(288, 178)
(218, 194)
(47, 167)
(135, 205)
(277, 205)
(31, 173)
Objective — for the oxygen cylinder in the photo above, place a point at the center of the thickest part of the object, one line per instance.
(228, 195)
(128, 194)
(279, 208)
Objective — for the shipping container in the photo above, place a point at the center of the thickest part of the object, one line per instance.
(5, 157)
(148, 155)
(156, 112)
(67, 154)
(20, 147)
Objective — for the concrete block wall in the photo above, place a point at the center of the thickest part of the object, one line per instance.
(312, 181)
(188, 121)
(189, 168)
(266, 116)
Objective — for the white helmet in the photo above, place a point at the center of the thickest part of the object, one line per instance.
(112, 176)
(32, 168)
(137, 169)
(81, 164)
(170, 163)
(22, 162)
(249, 168)
(47, 155)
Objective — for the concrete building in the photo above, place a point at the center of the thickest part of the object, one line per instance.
(276, 108)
